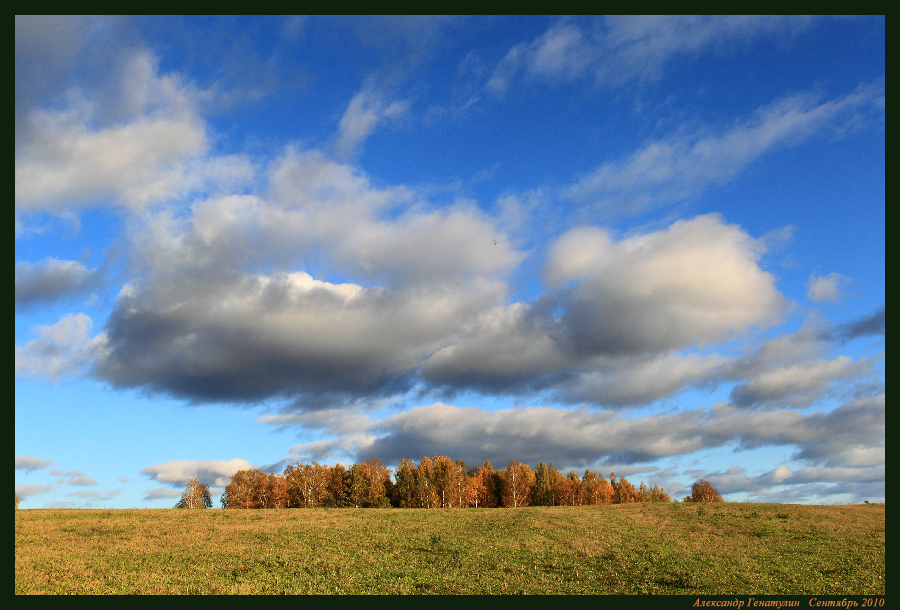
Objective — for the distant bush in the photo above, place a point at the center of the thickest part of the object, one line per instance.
(703, 491)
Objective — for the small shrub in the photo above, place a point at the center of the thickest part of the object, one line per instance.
(703, 491)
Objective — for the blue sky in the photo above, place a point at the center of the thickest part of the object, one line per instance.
(647, 245)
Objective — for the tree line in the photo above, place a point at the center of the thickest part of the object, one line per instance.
(437, 482)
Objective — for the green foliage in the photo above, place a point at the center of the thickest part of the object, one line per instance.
(541, 493)
(404, 495)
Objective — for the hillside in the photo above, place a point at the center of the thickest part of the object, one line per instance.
(627, 549)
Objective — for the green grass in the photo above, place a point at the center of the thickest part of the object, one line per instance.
(626, 549)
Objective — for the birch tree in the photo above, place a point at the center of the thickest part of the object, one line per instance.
(307, 485)
(518, 480)
(195, 495)
(426, 496)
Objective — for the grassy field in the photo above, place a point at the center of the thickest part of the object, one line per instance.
(631, 549)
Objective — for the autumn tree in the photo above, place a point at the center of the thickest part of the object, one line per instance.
(367, 483)
(380, 480)
(572, 492)
(254, 488)
(624, 492)
(405, 484)
(462, 484)
(307, 485)
(493, 483)
(557, 486)
(426, 495)
(595, 489)
(518, 480)
(657, 494)
(338, 484)
(17, 501)
(541, 494)
(274, 492)
(642, 494)
(703, 491)
(476, 490)
(195, 495)
(357, 490)
(444, 478)
(242, 490)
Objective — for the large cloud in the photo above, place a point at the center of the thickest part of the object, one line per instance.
(197, 324)
(46, 48)
(139, 140)
(799, 385)
(200, 324)
(640, 297)
(696, 282)
(851, 435)
(638, 381)
(277, 336)
(829, 485)
(511, 348)
(67, 164)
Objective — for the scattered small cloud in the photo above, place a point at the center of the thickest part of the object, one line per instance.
(50, 280)
(828, 288)
(96, 496)
(63, 349)
(31, 489)
(681, 166)
(619, 49)
(178, 473)
(30, 464)
(366, 111)
(866, 326)
(161, 493)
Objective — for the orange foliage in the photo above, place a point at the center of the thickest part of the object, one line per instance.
(436, 482)
(703, 491)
